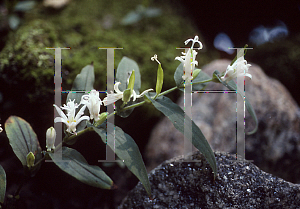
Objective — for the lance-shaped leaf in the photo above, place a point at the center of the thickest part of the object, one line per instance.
(73, 163)
(83, 82)
(232, 86)
(126, 149)
(124, 71)
(202, 76)
(2, 184)
(176, 116)
(22, 139)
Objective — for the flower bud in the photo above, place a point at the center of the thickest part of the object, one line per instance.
(30, 158)
(126, 95)
(160, 79)
(131, 80)
(196, 73)
(50, 138)
(101, 118)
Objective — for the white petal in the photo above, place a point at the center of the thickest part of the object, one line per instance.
(80, 113)
(60, 112)
(133, 95)
(179, 58)
(60, 119)
(144, 92)
(116, 87)
(82, 118)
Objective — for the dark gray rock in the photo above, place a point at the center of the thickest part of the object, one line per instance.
(178, 184)
(275, 148)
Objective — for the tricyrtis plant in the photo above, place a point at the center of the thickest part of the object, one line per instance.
(126, 96)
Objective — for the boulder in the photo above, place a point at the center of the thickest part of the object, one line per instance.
(275, 147)
(180, 184)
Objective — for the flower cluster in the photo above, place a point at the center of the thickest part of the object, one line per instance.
(93, 103)
(189, 59)
(238, 68)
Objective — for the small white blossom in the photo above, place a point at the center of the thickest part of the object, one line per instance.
(70, 119)
(189, 59)
(113, 97)
(50, 138)
(93, 103)
(239, 68)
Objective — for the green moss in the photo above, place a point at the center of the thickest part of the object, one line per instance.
(25, 59)
(85, 26)
(81, 26)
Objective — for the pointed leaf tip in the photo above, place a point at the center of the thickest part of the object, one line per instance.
(114, 186)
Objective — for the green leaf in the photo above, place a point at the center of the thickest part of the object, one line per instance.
(126, 149)
(178, 75)
(22, 139)
(124, 71)
(125, 67)
(202, 76)
(232, 86)
(83, 82)
(126, 113)
(74, 164)
(176, 116)
(2, 184)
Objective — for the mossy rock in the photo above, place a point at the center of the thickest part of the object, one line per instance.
(25, 59)
(85, 26)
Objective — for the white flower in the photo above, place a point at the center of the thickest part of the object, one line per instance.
(239, 68)
(1, 129)
(113, 97)
(50, 138)
(70, 119)
(189, 59)
(93, 103)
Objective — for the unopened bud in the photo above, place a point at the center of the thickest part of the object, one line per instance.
(101, 119)
(196, 73)
(160, 79)
(30, 158)
(50, 138)
(131, 80)
(126, 95)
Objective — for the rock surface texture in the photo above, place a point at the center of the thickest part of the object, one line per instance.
(275, 147)
(178, 184)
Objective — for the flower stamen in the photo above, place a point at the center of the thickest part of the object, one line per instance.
(155, 58)
(195, 40)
